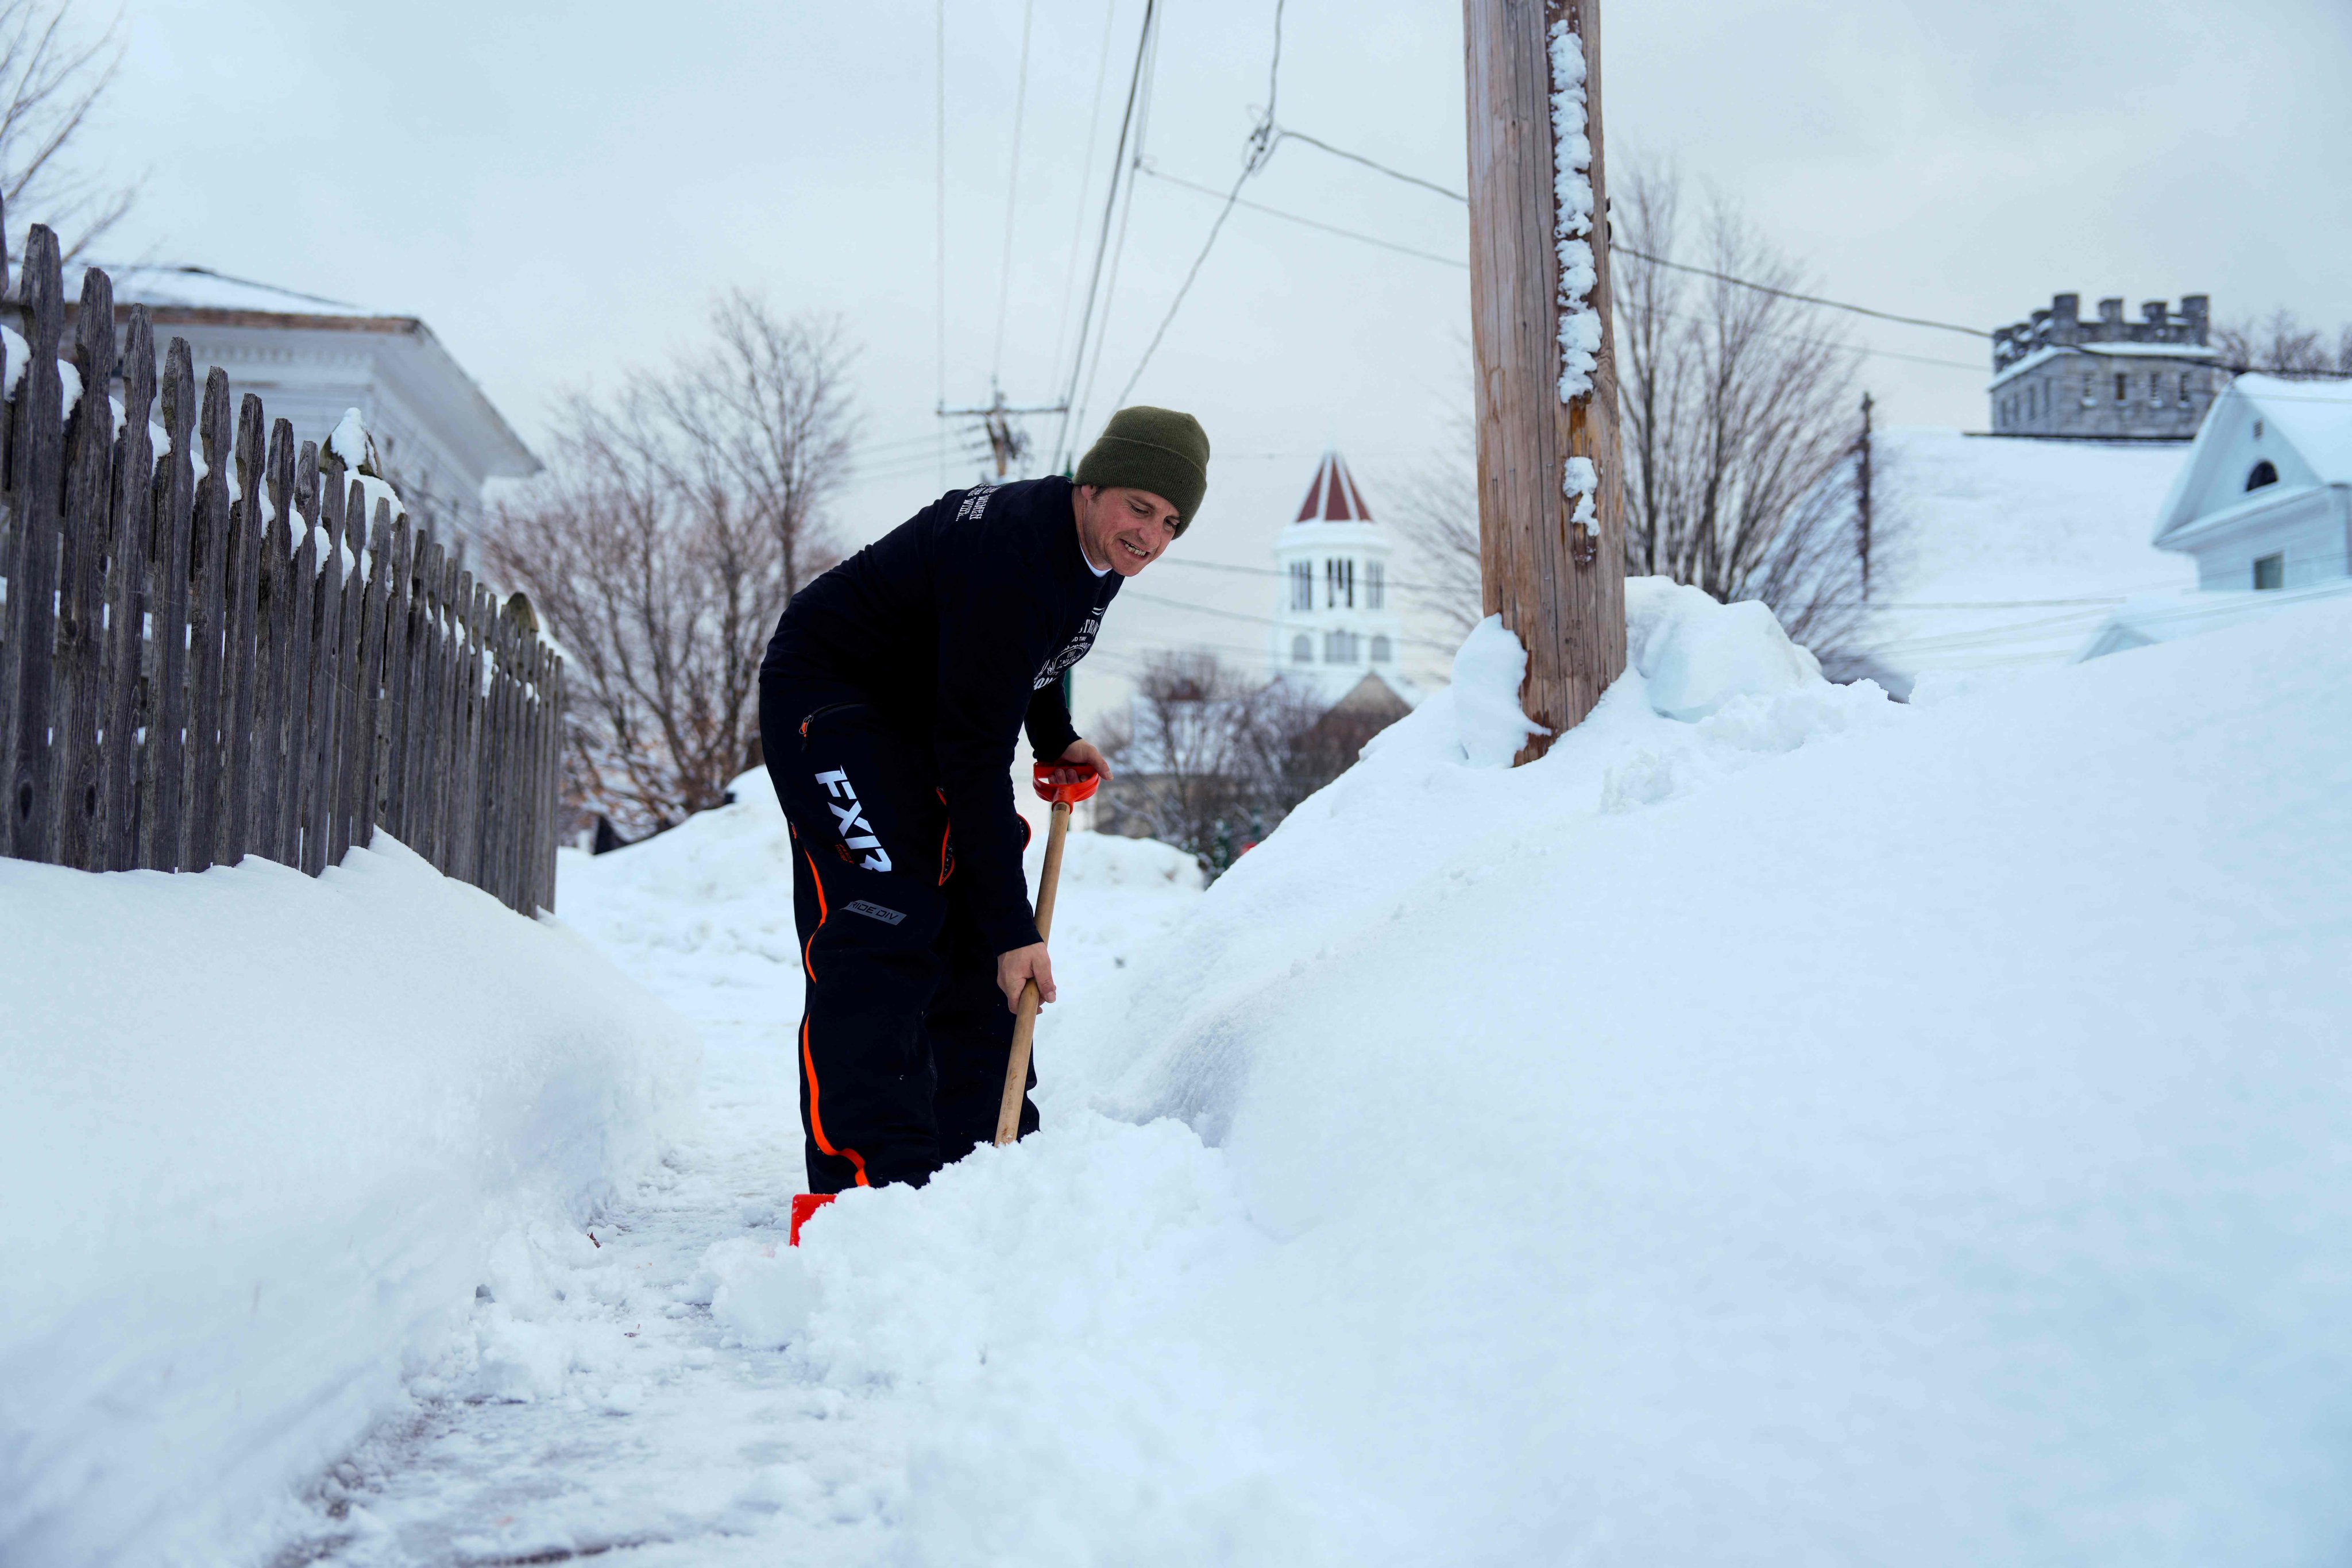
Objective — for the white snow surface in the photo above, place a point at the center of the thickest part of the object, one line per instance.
(263, 1137)
(1828, 1131)
(2009, 553)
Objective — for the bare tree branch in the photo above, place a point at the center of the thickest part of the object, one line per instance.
(1737, 430)
(2280, 345)
(673, 522)
(50, 84)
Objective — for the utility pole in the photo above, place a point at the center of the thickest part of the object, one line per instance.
(1862, 495)
(1006, 442)
(1551, 537)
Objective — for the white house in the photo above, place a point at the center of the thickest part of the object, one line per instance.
(1334, 623)
(2262, 506)
(2265, 498)
(309, 359)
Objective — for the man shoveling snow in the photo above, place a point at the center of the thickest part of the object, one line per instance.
(888, 703)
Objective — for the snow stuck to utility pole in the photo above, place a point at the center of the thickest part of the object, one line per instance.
(1579, 323)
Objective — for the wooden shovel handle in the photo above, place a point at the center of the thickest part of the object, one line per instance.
(1025, 1021)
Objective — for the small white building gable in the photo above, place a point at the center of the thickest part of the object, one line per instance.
(1336, 619)
(2264, 500)
(2264, 506)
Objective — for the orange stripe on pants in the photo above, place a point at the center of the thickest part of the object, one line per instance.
(808, 1061)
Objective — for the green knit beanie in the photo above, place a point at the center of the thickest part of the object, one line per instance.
(1155, 450)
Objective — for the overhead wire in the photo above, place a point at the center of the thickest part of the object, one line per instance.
(1012, 195)
(1118, 250)
(1263, 140)
(1086, 183)
(1102, 242)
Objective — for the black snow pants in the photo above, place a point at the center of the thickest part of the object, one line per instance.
(904, 1036)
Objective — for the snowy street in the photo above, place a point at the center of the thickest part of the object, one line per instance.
(596, 1404)
(1886, 1132)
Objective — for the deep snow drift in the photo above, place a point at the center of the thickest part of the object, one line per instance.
(1805, 1131)
(1823, 1133)
(261, 1140)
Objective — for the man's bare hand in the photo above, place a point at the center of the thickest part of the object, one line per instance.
(1086, 753)
(1020, 966)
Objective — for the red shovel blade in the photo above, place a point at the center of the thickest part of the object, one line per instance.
(1067, 783)
(803, 1205)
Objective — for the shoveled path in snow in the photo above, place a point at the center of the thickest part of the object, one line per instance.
(640, 1434)
(598, 1408)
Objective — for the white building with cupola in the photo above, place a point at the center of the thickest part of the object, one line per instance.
(1336, 622)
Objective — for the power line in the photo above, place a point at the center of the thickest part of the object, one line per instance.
(1643, 255)
(1119, 248)
(1450, 261)
(1011, 193)
(1150, 598)
(1263, 139)
(1215, 194)
(1289, 135)
(1102, 242)
(1085, 180)
(1790, 294)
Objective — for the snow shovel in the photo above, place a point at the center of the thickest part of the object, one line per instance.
(1064, 785)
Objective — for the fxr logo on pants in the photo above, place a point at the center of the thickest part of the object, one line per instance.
(856, 831)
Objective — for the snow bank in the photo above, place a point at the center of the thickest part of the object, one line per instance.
(264, 1136)
(2010, 553)
(1825, 1131)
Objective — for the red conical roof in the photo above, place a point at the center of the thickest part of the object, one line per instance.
(1333, 497)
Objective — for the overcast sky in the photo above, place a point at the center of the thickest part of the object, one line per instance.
(560, 190)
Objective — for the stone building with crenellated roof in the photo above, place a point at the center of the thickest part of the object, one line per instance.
(2058, 377)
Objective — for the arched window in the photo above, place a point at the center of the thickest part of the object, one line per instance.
(1302, 651)
(1380, 651)
(1302, 585)
(2263, 474)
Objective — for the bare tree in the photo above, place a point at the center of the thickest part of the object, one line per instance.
(1738, 434)
(1434, 508)
(767, 415)
(50, 83)
(1209, 760)
(659, 554)
(1737, 418)
(2281, 345)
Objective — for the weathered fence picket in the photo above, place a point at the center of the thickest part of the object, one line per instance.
(220, 644)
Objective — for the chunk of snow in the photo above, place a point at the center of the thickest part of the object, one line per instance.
(253, 1173)
(1696, 654)
(19, 358)
(349, 441)
(1488, 670)
(69, 385)
(758, 1291)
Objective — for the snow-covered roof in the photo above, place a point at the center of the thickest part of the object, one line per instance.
(187, 286)
(1333, 497)
(2313, 418)
(2199, 352)
(2010, 551)
(2168, 617)
(2314, 415)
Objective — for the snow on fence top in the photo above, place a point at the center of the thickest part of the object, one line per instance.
(183, 683)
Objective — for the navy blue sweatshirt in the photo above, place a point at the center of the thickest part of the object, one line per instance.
(957, 625)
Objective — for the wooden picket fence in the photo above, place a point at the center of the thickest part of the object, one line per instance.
(218, 652)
